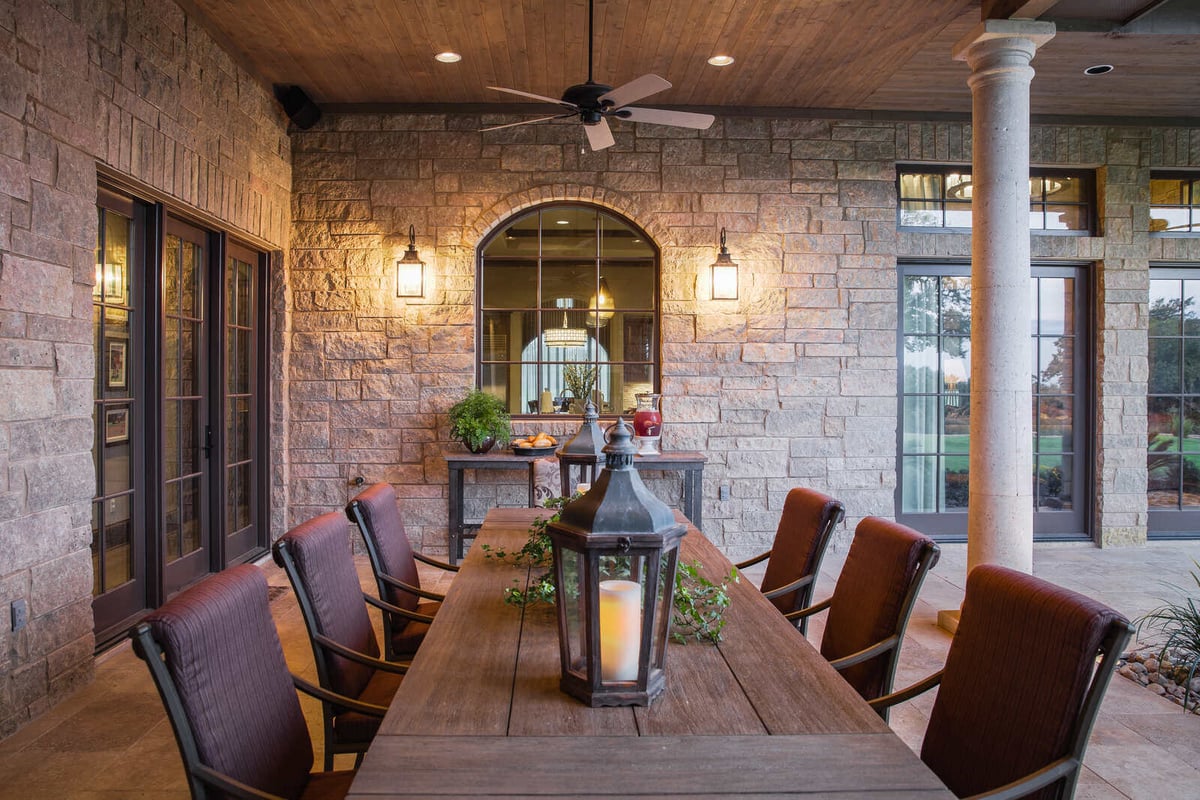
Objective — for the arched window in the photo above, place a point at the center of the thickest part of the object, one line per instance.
(568, 302)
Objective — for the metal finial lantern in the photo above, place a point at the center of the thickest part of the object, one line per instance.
(584, 450)
(616, 551)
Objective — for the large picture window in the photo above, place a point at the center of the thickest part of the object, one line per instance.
(1173, 404)
(568, 310)
(935, 399)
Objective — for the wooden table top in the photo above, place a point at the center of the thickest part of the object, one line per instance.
(480, 712)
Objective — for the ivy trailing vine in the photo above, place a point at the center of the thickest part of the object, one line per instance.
(698, 603)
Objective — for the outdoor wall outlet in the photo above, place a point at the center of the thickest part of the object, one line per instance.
(20, 614)
(723, 493)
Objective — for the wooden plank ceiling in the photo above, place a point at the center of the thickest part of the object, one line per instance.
(872, 55)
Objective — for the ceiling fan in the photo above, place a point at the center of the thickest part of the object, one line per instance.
(593, 103)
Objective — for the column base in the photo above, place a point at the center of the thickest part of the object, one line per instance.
(948, 620)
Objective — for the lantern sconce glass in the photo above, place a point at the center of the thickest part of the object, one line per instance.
(410, 270)
(724, 274)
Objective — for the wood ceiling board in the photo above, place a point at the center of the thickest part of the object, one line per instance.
(851, 54)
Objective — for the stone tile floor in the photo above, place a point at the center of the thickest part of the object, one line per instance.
(112, 740)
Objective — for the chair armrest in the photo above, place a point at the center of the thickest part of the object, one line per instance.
(1055, 770)
(907, 693)
(397, 610)
(338, 700)
(752, 561)
(396, 583)
(361, 658)
(799, 583)
(433, 562)
(231, 786)
(866, 653)
(815, 608)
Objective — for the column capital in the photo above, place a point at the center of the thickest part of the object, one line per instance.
(1033, 31)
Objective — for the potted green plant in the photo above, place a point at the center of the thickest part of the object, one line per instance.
(479, 421)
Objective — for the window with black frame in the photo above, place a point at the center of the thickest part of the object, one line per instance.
(568, 310)
(933, 196)
(935, 399)
(1173, 403)
(1174, 204)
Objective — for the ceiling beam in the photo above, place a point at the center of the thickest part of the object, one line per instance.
(1009, 9)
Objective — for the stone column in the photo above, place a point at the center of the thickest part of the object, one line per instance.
(1000, 515)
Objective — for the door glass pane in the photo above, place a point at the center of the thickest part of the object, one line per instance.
(1191, 481)
(1053, 489)
(921, 304)
(1165, 308)
(1191, 308)
(1056, 363)
(189, 515)
(1164, 365)
(956, 305)
(954, 483)
(1163, 421)
(1054, 425)
(919, 493)
(921, 424)
(921, 369)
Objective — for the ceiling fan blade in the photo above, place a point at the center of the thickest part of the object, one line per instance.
(527, 122)
(662, 116)
(635, 90)
(599, 135)
(541, 97)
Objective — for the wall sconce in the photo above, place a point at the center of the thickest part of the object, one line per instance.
(410, 270)
(724, 274)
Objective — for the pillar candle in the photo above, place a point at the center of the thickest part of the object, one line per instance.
(620, 630)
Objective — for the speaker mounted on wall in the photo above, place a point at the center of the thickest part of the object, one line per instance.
(299, 107)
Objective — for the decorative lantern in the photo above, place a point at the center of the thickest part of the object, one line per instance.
(585, 450)
(616, 550)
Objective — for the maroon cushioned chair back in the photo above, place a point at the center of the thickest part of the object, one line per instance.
(227, 664)
(385, 527)
(320, 549)
(1016, 675)
(800, 542)
(868, 599)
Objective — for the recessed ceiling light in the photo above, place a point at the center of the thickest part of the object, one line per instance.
(1098, 69)
(448, 57)
(562, 222)
(721, 61)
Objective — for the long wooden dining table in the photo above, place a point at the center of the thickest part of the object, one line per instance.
(480, 713)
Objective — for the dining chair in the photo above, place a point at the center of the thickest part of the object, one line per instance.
(1021, 687)
(804, 531)
(318, 561)
(394, 563)
(219, 668)
(871, 603)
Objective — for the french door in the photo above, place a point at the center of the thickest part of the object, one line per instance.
(934, 386)
(180, 402)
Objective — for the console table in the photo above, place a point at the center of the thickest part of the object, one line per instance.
(688, 462)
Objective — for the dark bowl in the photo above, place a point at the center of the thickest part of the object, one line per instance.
(535, 451)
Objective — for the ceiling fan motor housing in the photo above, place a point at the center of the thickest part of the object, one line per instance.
(586, 96)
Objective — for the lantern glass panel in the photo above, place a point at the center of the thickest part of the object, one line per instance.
(570, 598)
(622, 600)
(663, 609)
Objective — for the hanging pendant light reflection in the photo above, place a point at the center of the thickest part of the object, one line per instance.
(600, 306)
(566, 336)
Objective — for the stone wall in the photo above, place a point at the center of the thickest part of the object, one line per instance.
(138, 88)
(794, 383)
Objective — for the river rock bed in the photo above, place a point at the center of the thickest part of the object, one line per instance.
(1164, 677)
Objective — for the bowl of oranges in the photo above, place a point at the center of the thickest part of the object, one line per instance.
(540, 444)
